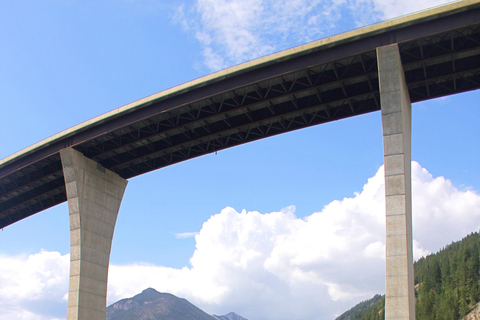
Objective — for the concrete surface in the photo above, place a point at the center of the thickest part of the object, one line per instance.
(396, 123)
(350, 36)
(94, 196)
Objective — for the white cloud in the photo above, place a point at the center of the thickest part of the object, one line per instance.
(32, 287)
(394, 8)
(441, 210)
(269, 266)
(283, 266)
(236, 31)
(185, 235)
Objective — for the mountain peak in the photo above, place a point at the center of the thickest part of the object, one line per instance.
(229, 316)
(149, 295)
(149, 291)
(154, 305)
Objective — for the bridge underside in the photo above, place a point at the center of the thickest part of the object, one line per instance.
(291, 94)
(385, 71)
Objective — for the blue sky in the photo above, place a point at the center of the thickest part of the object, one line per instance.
(307, 195)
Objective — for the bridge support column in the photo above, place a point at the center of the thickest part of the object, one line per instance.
(94, 196)
(396, 122)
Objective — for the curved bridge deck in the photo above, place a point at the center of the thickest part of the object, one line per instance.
(323, 81)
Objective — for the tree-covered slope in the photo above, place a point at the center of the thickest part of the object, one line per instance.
(365, 309)
(448, 281)
(446, 284)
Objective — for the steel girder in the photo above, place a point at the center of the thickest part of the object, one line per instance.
(334, 88)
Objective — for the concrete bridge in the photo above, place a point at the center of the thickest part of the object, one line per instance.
(383, 67)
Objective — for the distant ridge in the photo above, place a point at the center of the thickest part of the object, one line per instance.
(154, 305)
(230, 316)
(447, 286)
(364, 306)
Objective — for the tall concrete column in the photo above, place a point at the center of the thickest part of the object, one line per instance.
(94, 196)
(396, 121)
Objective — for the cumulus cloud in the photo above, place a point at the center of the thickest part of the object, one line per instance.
(185, 235)
(270, 265)
(441, 211)
(34, 286)
(280, 266)
(394, 8)
(235, 31)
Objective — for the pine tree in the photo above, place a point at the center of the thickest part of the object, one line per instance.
(447, 283)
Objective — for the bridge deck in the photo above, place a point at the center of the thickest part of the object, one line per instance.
(323, 81)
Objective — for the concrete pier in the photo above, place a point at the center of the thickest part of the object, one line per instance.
(94, 196)
(396, 121)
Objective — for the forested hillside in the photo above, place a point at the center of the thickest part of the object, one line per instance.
(448, 281)
(446, 284)
(368, 309)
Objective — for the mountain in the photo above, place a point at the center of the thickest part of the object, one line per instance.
(363, 307)
(153, 305)
(230, 316)
(447, 285)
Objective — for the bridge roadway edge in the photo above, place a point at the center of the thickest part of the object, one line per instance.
(353, 42)
(92, 229)
(34, 195)
(95, 193)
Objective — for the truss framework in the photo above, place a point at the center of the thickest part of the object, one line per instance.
(437, 65)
